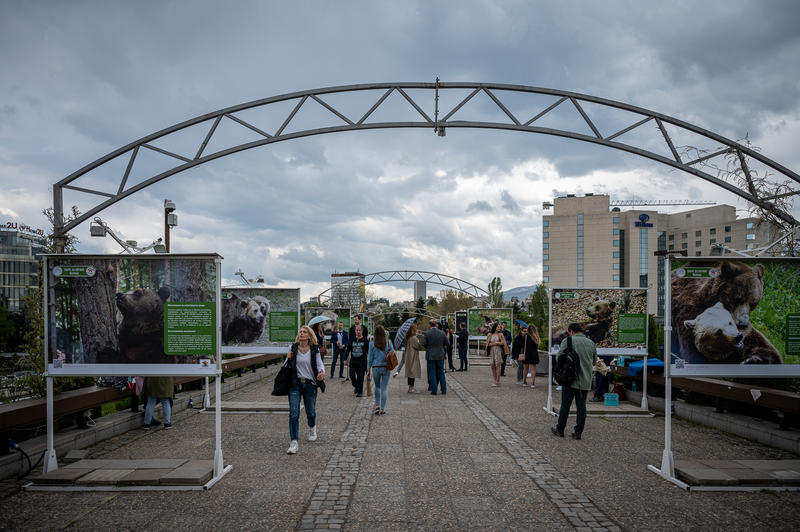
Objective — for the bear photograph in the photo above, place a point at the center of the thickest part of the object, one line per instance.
(246, 316)
(597, 310)
(112, 310)
(733, 311)
(480, 320)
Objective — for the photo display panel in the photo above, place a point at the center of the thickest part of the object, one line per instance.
(735, 316)
(132, 314)
(480, 320)
(615, 319)
(257, 320)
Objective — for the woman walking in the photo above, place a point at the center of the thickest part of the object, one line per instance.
(528, 356)
(376, 361)
(495, 347)
(305, 360)
(413, 368)
(357, 355)
(517, 347)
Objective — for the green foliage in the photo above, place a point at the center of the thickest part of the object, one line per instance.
(782, 286)
(495, 290)
(655, 337)
(9, 335)
(453, 301)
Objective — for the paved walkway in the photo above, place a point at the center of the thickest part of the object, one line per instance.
(478, 458)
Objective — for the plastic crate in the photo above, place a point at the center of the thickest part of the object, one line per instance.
(611, 399)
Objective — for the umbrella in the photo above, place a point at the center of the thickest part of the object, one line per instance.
(401, 332)
(318, 319)
(521, 323)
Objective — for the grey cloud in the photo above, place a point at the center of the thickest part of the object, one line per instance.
(480, 206)
(508, 202)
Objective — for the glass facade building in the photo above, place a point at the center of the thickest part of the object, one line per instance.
(19, 266)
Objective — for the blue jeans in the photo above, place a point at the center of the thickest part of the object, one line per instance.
(340, 355)
(380, 378)
(569, 393)
(436, 375)
(151, 405)
(309, 393)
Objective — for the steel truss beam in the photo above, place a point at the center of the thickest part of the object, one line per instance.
(395, 276)
(117, 186)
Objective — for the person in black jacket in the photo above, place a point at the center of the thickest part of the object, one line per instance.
(516, 351)
(528, 356)
(309, 372)
(357, 349)
(350, 337)
(462, 337)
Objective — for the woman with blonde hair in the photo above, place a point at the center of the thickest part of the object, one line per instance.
(379, 347)
(304, 358)
(411, 355)
(529, 356)
(495, 347)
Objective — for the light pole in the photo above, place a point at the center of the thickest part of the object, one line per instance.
(170, 220)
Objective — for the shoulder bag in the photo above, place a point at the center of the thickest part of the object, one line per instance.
(283, 380)
(391, 360)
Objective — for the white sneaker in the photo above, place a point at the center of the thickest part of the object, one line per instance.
(313, 435)
(520, 383)
(532, 386)
(292, 448)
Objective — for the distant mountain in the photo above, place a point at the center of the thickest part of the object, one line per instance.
(521, 292)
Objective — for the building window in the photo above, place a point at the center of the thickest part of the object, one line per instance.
(698, 253)
(750, 225)
(751, 246)
(750, 236)
(698, 233)
(684, 235)
(616, 232)
(546, 245)
(615, 277)
(727, 251)
(545, 279)
(684, 245)
(643, 257)
(671, 247)
(713, 241)
(671, 237)
(546, 223)
(727, 228)
(713, 231)
(616, 243)
(580, 251)
(697, 243)
(546, 234)
(727, 240)
(615, 219)
(545, 268)
(546, 256)
(615, 254)
(616, 265)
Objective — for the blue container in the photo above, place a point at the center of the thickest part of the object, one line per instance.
(611, 399)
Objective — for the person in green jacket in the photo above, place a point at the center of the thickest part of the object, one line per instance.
(579, 389)
(158, 389)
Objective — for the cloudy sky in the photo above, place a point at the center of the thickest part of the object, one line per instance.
(80, 79)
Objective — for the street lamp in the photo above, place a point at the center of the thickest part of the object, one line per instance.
(170, 220)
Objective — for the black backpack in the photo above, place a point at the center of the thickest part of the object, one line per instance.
(566, 370)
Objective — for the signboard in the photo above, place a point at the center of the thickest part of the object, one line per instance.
(480, 320)
(461, 317)
(131, 315)
(735, 316)
(259, 320)
(615, 319)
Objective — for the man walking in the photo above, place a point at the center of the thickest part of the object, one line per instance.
(579, 389)
(435, 342)
(350, 337)
(339, 341)
(507, 335)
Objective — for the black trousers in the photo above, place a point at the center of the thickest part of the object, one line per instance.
(358, 368)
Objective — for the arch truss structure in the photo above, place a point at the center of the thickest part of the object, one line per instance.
(395, 276)
(728, 164)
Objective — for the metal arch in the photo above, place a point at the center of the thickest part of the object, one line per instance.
(393, 276)
(728, 147)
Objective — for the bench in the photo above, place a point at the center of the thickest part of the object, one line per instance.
(782, 400)
(30, 412)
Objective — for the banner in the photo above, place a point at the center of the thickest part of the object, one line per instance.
(735, 316)
(615, 319)
(259, 320)
(461, 317)
(131, 315)
(480, 320)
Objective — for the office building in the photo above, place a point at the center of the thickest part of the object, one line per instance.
(587, 244)
(348, 290)
(20, 246)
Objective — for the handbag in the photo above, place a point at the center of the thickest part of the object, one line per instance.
(283, 380)
(391, 361)
(369, 388)
(506, 350)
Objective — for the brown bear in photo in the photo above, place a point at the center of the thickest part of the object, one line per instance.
(141, 332)
(737, 286)
(601, 317)
(242, 320)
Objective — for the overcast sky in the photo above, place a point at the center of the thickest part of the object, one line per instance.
(79, 79)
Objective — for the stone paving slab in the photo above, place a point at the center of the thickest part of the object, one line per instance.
(61, 476)
(193, 472)
(75, 455)
(103, 477)
(252, 406)
(144, 477)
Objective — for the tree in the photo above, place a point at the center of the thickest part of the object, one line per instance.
(496, 293)
(453, 301)
(539, 311)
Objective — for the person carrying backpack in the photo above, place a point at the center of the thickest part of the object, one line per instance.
(578, 390)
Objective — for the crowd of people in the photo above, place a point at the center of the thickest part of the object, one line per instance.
(366, 362)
